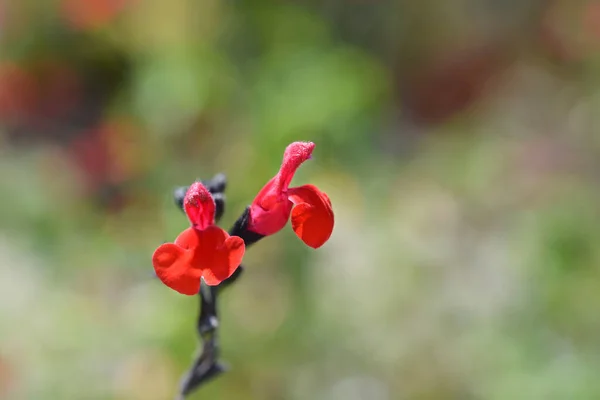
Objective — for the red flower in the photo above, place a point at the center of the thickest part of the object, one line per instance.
(202, 251)
(91, 14)
(312, 215)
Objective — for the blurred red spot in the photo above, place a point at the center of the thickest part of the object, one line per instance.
(91, 14)
(108, 157)
(7, 377)
(90, 155)
(554, 39)
(450, 86)
(126, 146)
(62, 89)
(19, 93)
(591, 21)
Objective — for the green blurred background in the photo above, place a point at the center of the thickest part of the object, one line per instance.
(458, 142)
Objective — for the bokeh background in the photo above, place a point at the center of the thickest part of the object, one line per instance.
(457, 139)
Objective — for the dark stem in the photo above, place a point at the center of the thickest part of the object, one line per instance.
(206, 365)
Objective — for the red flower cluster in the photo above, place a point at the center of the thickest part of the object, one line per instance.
(207, 251)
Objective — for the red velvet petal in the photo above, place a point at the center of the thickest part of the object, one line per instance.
(219, 254)
(199, 206)
(188, 239)
(270, 210)
(174, 267)
(312, 215)
(229, 259)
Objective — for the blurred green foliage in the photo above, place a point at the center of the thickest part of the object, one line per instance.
(457, 141)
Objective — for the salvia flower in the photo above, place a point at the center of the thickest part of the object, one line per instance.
(310, 209)
(202, 251)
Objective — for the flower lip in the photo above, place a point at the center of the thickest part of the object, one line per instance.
(210, 253)
(312, 215)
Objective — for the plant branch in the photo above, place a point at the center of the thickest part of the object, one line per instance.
(206, 365)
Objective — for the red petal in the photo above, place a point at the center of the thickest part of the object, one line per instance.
(174, 267)
(188, 239)
(312, 216)
(199, 206)
(270, 211)
(219, 254)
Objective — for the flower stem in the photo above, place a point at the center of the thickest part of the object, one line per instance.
(206, 363)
